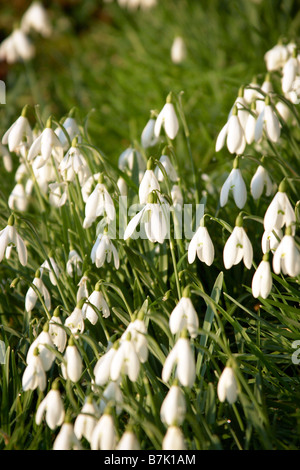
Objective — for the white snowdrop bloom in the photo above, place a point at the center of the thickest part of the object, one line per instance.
(45, 145)
(268, 121)
(128, 441)
(95, 302)
(31, 296)
(267, 89)
(42, 344)
(104, 434)
(131, 158)
(276, 57)
(82, 291)
(18, 133)
(17, 47)
(7, 158)
(36, 18)
(227, 388)
(182, 357)
(283, 109)
(10, 237)
(52, 268)
(286, 258)
(289, 73)
(280, 212)
(242, 108)
(58, 194)
(184, 316)
(202, 246)
(259, 181)
(178, 50)
(138, 332)
(251, 92)
(89, 185)
(103, 366)
(234, 183)
(18, 199)
(271, 240)
(232, 133)
(74, 263)
(34, 375)
(57, 331)
(72, 164)
(104, 251)
(86, 421)
(52, 408)
(167, 119)
(72, 365)
(154, 218)
(237, 248)
(173, 408)
(177, 196)
(112, 394)
(99, 203)
(148, 184)
(71, 129)
(173, 439)
(250, 125)
(43, 174)
(125, 361)
(262, 279)
(66, 438)
(148, 139)
(169, 169)
(75, 321)
(122, 185)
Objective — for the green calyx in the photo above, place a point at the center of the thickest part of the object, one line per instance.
(11, 220)
(239, 221)
(150, 164)
(283, 186)
(25, 110)
(152, 198)
(186, 292)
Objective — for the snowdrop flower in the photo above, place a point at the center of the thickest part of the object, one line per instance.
(95, 302)
(74, 163)
(52, 407)
(86, 420)
(36, 18)
(201, 245)
(242, 108)
(173, 439)
(44, 174)
(82, 291)
(169, 169)
(74, 263)
(286, 258)
(32, 296)
(112, 394)
(18, 200)
(251, 124)
(227, 388)
(167, 119)
(34, 375)
(131, 158)
(138, 338)
(45, 145)
(154, 217)
(10, 237)
(99, 203)
(271, 240)
(276, 57)
(66, 438)
(57, 331)
(289, 72)
(184, 316)
(259, 181)
(148, 139)
(251, 92)
(177, 196)
(182, 357)
(103, 366)
(232, 134)
(121, 183)
(280, 211)
(148, 183)
(236, 184)
(75, 320)
(16, 47)
(89, 185)
(268, 121)
(104, 250)
(71, 129)
(52, 268)
(125, 361)
(18, 133)
(104, 434)
(42, 344)
(238, 247)
(178, 50)
(128, 441)
(58, 194)
(7, 158)
(262, 279)
(72, 365)
(173, 408)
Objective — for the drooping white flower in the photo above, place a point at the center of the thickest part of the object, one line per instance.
(173, 408)
(232, 133)
(177, 196)
(181, 356)
(52, 268)
(262, 279)
(17, 47)
(148, 184)
(276, 57)
(104, 250)
(34, 375)
(75, 321)
(66, 438)
(184, 316)
(271, 240)
(259, 181)
(10, 237)
(167, 119)
(18, 133)
(95, 302)
(69, 129)
(58, 194)
(36, 18)
(86, 421)
(18, 199)
(112, 394)
(173, 439)
(251, 124)
(45, 145)
(103, 366)
(289, 73)
(52, 407)
(131, 159)
(238, 247)
(82, 291)
(42, 345)
(178, 50)
(148, 139)
(235, 183)
(7, 158)
(201, 245)
(99, 203)
(31, 296)
(128, 441)
(280, 211)
(267, 121)
(72, 365)
(169, 169)
(74, 163)
(227, 388)
(57, 331)
(125, 361)
(286, 258)
(74, 263)
(104, 434)
(138, 337)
